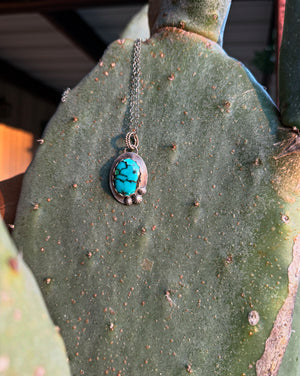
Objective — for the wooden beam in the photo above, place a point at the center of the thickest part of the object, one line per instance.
(22, 79)
(78, 31)
(38, 6)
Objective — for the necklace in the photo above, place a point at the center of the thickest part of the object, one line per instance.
(128, 174)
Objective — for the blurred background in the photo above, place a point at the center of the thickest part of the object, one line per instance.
(47, 46)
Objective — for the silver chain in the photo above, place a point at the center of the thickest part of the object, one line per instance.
(132, 141)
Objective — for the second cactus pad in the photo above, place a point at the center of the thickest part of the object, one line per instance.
(30, 345)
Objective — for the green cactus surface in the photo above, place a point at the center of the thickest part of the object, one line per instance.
(193, 279)
(29, 343)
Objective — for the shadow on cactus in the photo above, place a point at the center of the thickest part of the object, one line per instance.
(199, 277)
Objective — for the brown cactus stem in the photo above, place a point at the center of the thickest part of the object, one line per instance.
(278, 340)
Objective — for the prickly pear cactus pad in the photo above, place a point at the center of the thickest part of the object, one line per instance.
(29, 342)
(194, 279)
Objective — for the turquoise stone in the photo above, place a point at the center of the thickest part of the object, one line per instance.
(126, 177)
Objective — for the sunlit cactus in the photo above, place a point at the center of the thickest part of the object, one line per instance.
(200, 277)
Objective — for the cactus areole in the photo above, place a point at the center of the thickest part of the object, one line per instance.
(201, 277)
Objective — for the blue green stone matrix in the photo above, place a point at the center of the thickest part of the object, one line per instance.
(126, 177)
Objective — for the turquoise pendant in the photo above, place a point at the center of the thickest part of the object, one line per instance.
(128, 178)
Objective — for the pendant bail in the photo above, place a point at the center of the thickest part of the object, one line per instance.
(132, 141)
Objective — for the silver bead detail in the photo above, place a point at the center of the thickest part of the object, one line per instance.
(142, 191)
(253, 318)
(137, 199)
(128, 201)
